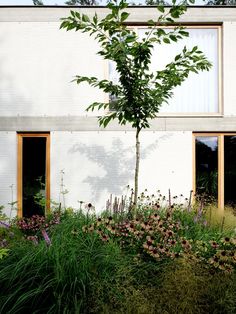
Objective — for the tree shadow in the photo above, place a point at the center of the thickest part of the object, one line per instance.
(118, 164)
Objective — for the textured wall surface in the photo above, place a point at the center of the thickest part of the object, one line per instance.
(229, 68)
(38, 62)
(96, 164)
(8, 173)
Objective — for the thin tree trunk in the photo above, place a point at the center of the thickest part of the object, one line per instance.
(137, 166)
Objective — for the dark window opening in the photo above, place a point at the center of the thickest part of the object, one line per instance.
(230, 170)
(207, 167)
(33, 176)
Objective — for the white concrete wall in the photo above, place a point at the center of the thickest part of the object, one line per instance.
(229, 68)
(38, 62)
(8, 170)
(97, 164)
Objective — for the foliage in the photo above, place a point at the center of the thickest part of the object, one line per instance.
(188, 287)
(169, 234)
(156, 2)
(60, 278)
(37, 2)
(81, 2)
(120, 264)
(3, 252)
(220, 2)
(71, 2)
(140, 93)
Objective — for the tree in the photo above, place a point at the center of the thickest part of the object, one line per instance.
(156, 2)
(140, 93)
(81, 2)
(38, 2)
(70, 2)
(220, 2)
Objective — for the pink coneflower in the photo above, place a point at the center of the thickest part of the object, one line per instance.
(223, 254)
(34, 239)
(214, 260)
(150, 239)
(91, 227)
(169, 233)
(149, 243)
(161, 248)
(154, 253)
(214, 244)
(185, 244)
(105, 238)
(112, 229)
(172, 242)
(229, 269)
(226, 240)
(85, 228)
(155, 217)
(233, 241)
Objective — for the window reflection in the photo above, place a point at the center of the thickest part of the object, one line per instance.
(230, 170)
(207, 166)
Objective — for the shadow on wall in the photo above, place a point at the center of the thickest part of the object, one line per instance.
(117, 162)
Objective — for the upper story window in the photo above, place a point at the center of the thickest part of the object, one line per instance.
(200, 93)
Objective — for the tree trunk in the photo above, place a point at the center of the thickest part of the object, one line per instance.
(137, 167)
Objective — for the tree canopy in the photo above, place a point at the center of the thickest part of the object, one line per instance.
(140, 93)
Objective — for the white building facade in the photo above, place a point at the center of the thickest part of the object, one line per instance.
(50, 145)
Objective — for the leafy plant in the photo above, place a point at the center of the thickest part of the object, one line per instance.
(108, 264)
(3, 252)
(138, 96)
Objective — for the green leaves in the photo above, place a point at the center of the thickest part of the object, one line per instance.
(161, 8)
(139, 94)
(104, 121)
(166, 40)
(124, 16)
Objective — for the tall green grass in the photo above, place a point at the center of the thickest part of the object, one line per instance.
(63, 277)
(80, 273)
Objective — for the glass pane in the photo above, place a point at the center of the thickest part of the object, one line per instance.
(230, 170)
(199, 92)
(207, 166)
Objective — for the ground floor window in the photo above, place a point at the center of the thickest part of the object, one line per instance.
(215, 167)
(33, 173)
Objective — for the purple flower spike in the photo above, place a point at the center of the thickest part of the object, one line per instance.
(4, 225)
(46, 237)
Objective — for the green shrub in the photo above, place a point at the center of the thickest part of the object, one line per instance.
(61, 277)
(164, 260)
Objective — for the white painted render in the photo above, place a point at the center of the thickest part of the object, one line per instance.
(97, 164)
(8, 171)
(38, 62)
(229, 68)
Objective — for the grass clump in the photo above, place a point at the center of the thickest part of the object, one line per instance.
(164, 260)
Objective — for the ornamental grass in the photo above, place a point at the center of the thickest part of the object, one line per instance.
(167, 258)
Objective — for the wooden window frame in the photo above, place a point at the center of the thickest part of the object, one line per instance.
(220, 136)
(20, 137)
